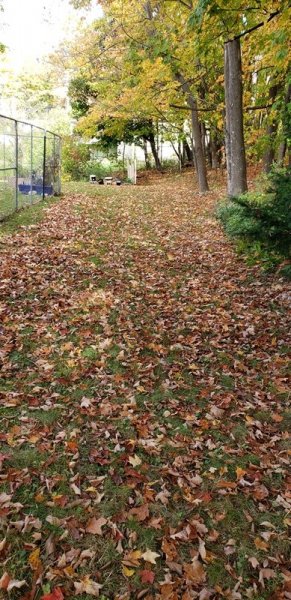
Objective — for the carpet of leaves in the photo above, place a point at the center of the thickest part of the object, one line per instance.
(144, 431)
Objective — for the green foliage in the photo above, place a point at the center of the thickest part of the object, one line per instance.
(75, 157)
(262, 219)
(79, 93)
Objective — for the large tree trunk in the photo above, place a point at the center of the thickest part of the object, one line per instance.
(155, 153)
(271, 131)
(199, 156)
(234, 142)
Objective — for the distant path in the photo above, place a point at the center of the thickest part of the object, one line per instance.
(144, 381)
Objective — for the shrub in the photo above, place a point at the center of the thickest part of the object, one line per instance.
(75, 156)
(263, 218)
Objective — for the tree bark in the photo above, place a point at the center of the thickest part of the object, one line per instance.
(286, 127)
(213, 151)
(146, 154)
(155, 154)
(200, 158)
(188, 152)
(271, 131)
(234, 142)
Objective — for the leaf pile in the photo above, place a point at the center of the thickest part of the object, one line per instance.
(144, 441)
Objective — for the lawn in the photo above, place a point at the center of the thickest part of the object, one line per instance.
(144, 403)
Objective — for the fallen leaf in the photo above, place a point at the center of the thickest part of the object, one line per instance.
(95, 525)
(127, 572)
(260, 544)
(76, 489)
(150, 556)
(135, 461)
(140, 512)
(87, 586)
(34, 560)
(194, 572)
(147, 576)
(4, 581)
(14, 583)
(56, 594)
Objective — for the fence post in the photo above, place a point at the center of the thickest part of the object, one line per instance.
(16, 165)
(43, 166)
(31, 162)
(59, 166)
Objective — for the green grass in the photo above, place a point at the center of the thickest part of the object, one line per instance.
(31, 215)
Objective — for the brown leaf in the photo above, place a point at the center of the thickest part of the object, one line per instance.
(95, 525)
(194, 572)
(140, 512)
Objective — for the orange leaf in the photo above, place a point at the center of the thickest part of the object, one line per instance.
(240, 472)
(34, 560)
(4, 581)
(260, 544)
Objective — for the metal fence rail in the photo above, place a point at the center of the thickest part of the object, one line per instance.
(30, 164)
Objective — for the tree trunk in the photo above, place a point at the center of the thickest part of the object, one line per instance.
(199, 156)
(286, 127)
(188, 152)
(234, 131)
(146, 154)
(213, 151)
(154, 151)
(271, 130)
(203, 137)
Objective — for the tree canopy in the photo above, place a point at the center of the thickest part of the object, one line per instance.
(157, 61)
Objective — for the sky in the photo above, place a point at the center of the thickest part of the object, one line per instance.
(34, 28)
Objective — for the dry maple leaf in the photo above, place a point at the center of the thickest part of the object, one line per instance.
(87, 586)
(34, 559)
(260, 544)
(147, 576)
(8, 584)
(141, 513)
(266, 574)
(150, 556)
(134, 461)
(195, 572)
(127, 572)
(95, 525)
(76, 489)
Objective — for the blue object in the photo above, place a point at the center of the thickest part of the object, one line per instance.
(26, 189)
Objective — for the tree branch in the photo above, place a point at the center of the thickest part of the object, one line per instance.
(240, 35)
(193, 109)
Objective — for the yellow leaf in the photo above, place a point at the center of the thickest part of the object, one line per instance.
(134, 461)
(34, 560)
(240, 472)
(127, 572)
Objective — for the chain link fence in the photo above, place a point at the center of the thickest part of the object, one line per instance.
(30, 164)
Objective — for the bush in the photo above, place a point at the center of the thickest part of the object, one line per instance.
(92, 167)
(262, 218)
(75, 156)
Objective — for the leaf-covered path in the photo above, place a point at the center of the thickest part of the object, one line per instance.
(144, 443)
